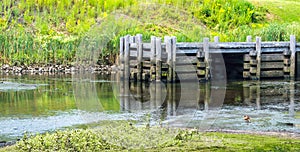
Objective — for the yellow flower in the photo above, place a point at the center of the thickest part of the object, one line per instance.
(222, 10)
(104, 14)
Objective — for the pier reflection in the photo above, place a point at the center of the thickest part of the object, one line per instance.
(186, 98)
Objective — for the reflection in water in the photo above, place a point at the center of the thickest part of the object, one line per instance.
(66, 101)
(273, 105)
(51, 104)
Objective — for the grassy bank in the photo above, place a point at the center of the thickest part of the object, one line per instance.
(53, 32)
(139, 139)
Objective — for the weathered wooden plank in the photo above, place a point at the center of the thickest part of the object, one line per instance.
(186, 68)
(216, 39)
(168, 42)
(258, 56)
(126, 58)
(121, 62)
(132, 39)
(173, 39)
(272, 57)
(189, 45)
(158, 58)
(196, 45)
(246, 66)
(293, 56)
(139, 56)
(186, 60)
(193, 52)
(273, 73)
(152, 58)
(206, 56)
(189, 52)
(147, 54)
(272, 65)
(249, 38)
(228, 47)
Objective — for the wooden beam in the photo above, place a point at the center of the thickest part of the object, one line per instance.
(126, 59)
(121, 58)
(139, 56)
(249, 38)
(173, 58)
(272, 65)
(152, 58)
(216, 39)
(258, 56)
(206, 57)
(273, 73)
(272, 57)
(169, 51)
(158, 58)
(293, 56)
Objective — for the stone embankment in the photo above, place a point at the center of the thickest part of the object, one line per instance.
(56, 69)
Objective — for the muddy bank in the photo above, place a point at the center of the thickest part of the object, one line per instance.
(6, 143)
(54, 69)
(266, 133)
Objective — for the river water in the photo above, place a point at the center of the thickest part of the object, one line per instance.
(39, 103)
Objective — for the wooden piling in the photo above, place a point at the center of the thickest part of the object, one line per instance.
(249, 38)
(152, 58)
(293, 56)
(126, 58)
(216, 39)
(139, 57)
(206, 57)
(121, 62)
(169, 51)
(173, 59)
(158, 59)
(258, 57)
(132, 39)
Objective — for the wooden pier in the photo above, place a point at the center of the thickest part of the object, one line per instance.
(165, 60)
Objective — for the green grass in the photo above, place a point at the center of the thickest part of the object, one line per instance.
(52, 32)
(285, 11)
(123, 137)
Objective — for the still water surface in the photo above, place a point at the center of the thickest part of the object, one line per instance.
(33, 103)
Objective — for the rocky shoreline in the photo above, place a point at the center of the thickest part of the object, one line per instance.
(56, 69)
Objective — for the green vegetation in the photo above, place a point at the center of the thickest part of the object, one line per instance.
(121, 136)
(53, 32)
